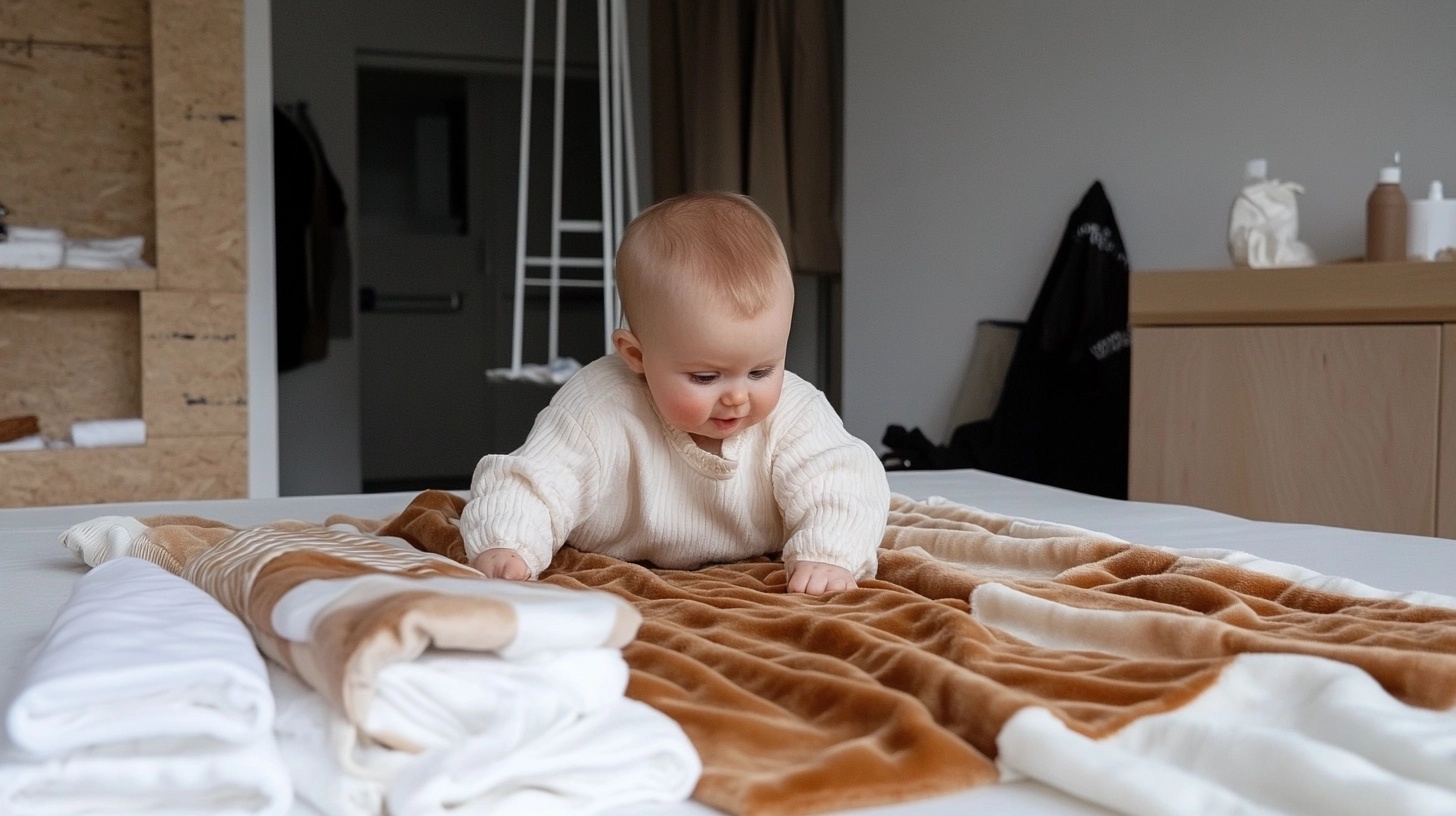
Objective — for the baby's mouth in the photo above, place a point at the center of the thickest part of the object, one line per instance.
(726, 424)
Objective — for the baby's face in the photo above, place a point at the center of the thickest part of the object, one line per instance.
(711, 373)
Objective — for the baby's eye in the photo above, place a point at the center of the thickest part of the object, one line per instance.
(703, 379)
(760, 373)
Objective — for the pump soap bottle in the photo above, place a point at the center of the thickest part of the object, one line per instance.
(1385, 217)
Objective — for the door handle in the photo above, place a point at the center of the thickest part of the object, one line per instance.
(371, 300)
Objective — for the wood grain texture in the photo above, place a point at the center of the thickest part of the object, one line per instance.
(76, 96)
(197, 52)
(68, 356)
(1401, 292)
(194, 363)
(201, 467)
(93, 280)
(1446, 459)
(1331, 425)
(94, 22)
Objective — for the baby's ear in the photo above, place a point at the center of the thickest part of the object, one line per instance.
(629, 348)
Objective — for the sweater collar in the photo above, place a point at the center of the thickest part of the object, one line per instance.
(711, 465)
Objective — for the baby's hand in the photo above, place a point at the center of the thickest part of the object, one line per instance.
(817, 578)
(500, 562)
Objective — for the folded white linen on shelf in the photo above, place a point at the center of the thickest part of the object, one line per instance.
(105, 253)
(24, 443)
(109, 433)
(32, 248)
(548, 733)
(145, 696)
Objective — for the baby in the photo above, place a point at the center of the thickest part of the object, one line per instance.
(691, 445)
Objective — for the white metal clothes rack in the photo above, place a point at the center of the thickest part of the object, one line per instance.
(618, 176)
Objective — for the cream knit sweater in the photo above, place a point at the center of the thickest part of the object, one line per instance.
(603, 470)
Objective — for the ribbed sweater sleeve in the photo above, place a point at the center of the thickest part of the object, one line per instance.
(530, 500)
(832, 490)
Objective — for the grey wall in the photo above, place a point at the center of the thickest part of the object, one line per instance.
(972, 129)
(316, 44)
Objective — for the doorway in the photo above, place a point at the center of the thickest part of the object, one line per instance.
(438, 157)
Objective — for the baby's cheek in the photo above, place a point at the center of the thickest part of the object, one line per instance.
(682, 409)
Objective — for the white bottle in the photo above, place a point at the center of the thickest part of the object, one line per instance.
(1432, 225)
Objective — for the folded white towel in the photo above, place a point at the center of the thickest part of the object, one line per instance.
(542, 734)
(188, 777)
(443, 698)
(137, 652)
(24, 443)
(109, 433)
(145, 696)
(25, 253)
(105, 253)
(627, 753)
(46, 235)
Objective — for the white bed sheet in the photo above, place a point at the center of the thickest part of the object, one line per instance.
(36, 575)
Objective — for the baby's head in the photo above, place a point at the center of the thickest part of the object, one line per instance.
(708, 295)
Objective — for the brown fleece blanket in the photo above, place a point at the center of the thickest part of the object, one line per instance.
(909, 685)
(895, 690)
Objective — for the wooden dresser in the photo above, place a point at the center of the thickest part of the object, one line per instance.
(1322, 394)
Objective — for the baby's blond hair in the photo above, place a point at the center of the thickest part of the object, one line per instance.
(719, 241)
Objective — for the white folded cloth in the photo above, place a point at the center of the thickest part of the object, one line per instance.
(625, 754)
(145, 696)
(539, 734)
(137, 652)
(24, 443)
(189, 777)
(46, 235)
(109, 433)
(105, 253)
(32, 248)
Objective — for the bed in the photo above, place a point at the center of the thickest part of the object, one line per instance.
(36, 576)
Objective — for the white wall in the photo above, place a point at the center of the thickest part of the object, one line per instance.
(972, 129)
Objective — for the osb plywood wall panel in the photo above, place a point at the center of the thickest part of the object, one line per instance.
(75, 88)
(105, 22)
(204, 467)
(68, 356)
(195, 363)
(197, 48)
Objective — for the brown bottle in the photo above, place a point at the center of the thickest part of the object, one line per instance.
(1385, 218)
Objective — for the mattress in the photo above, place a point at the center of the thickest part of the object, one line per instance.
(36, 574)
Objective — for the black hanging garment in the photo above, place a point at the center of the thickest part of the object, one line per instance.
(1063, 412)
(311, 256)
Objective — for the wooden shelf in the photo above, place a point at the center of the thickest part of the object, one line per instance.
(1398, 292)
(79, 279)
(194, 467)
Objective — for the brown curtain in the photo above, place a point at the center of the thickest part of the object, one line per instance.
(745, 98)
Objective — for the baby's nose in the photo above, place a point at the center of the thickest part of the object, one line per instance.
(735, 396)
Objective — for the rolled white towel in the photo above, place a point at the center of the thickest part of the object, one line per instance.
(105, 253)
(24, 443)
(139, 653)
(109, 433)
